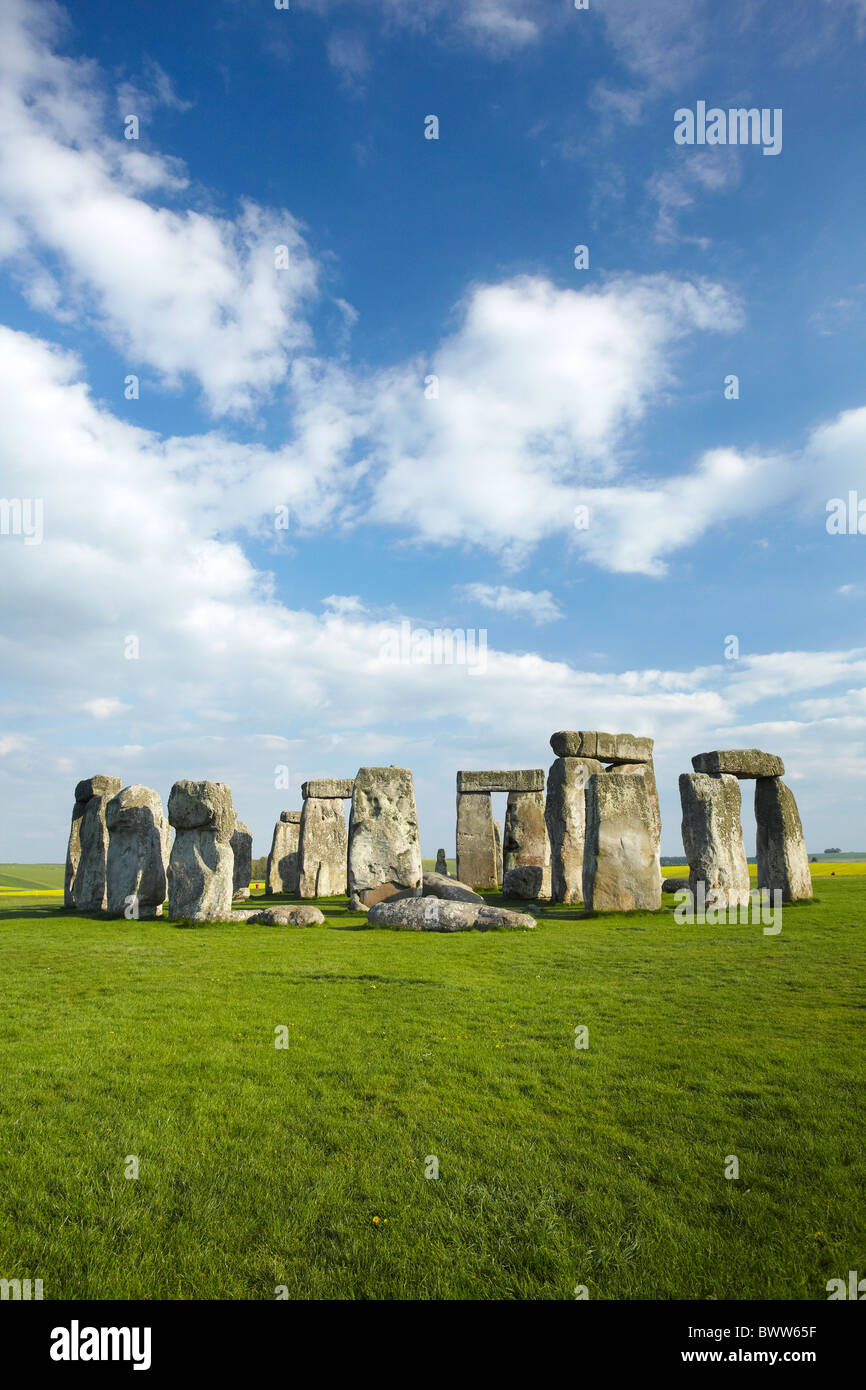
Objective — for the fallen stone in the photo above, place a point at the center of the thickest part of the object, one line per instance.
(329, 788)
(138, 848)
(607, 748)
(384, 842)
(713, 837)
(432, 914)
(201, 867)
(739, 762)
(565, 815)
(85, 885)
(449, 889)
(783, 863)
(674, 885)
(242, 849)
(301, 916)
(523, 881)
(476, 843)
(621, 857)
(527, 780)
(441, 862)
(323, 849)
(282, 872)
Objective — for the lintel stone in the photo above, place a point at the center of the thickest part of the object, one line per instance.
(329, 788)
(739, 762)
(527, 780)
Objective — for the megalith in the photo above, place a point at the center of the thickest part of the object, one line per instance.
(441, 862)
(242, 849)
(201, 867)
(497, 841)
(138, 850)
(282, 874)
(85, 880)
(525, 843)
(476, 841)
(565, 814)
(322, 852)
(713, 836)
(783, 863)
(384, 842)
(620, 860)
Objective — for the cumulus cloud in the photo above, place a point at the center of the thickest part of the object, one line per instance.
(540, 607)
(190, 294)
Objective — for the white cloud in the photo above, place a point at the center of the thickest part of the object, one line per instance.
(188, 293)
(540, 607)
(538, 389)
(105, 708)
(232, 681)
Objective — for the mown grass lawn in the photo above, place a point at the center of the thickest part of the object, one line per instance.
(305, 1166)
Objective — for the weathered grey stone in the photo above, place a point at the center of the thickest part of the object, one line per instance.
(384, 843)
(497, 841)
(322, 856)
(675, 885)
(565, 814)
(450, 889)
(739, 762)
(138, 846)
(242, 849)
(288, 916)
(489, 917)
(713, 837)
(85, 884)
(201, 867)
(526, 780)
(647, 771)
(282, 872)
(476, 843)
(432, 914)
(336, 788)
(621, 858)
(525, 840)
(523, 881)
(607, 748)
(782, 859)
(73, 853)
(441, 862)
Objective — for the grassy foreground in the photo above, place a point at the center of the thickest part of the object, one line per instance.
(305, 1166)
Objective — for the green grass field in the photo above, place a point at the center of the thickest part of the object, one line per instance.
(305, 1166)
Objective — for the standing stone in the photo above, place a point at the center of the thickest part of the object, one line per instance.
(323, 847)
(620, 860)
(713, 836)
(476, 841)
(242, 849)
(441, 862)
(782, 859)
(384, 842)
(282, 874)
(73, 853)
(201, 867)
(525, 843)
(85, 883)
(497, 840)
(565, 814)
(138, 847)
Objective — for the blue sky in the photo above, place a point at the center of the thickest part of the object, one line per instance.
(303, 389)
